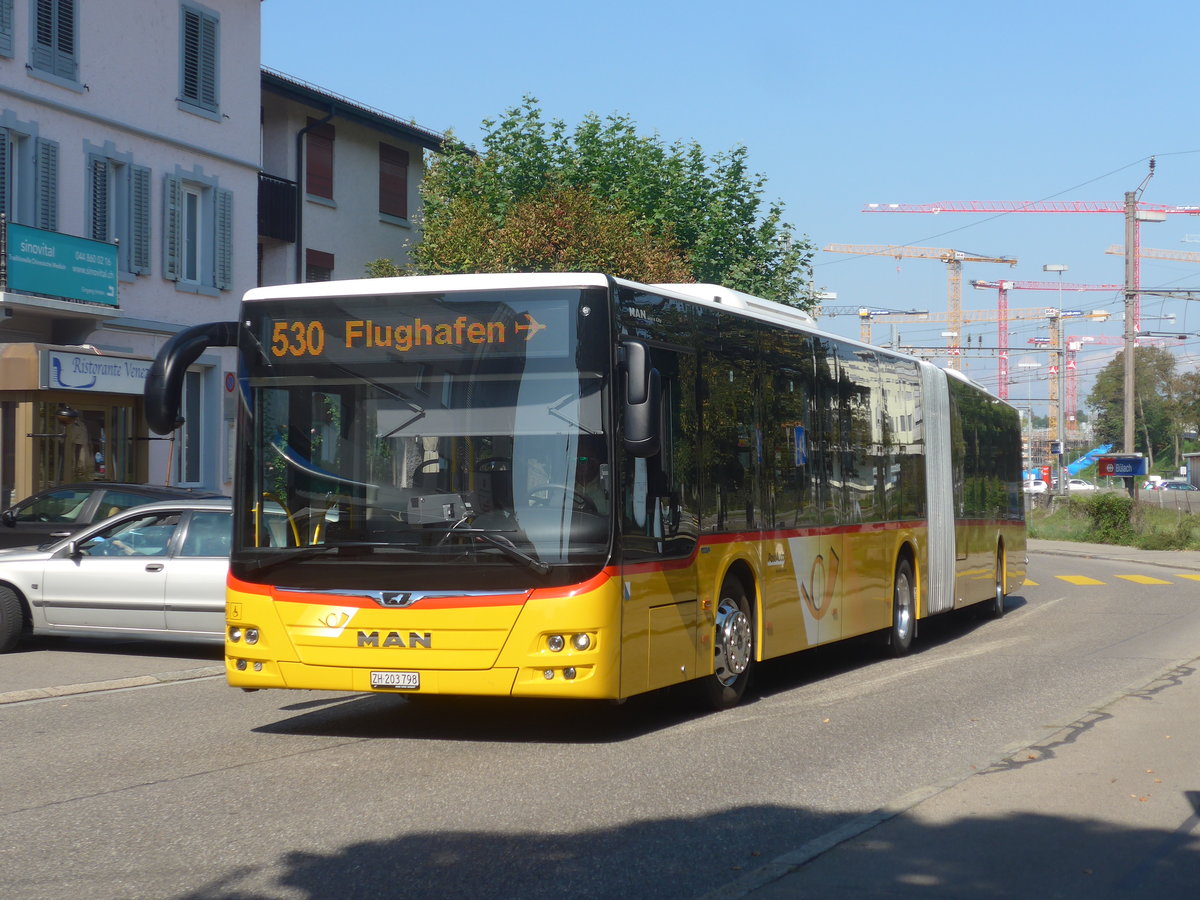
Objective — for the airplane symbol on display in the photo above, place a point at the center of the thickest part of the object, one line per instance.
(533, 327)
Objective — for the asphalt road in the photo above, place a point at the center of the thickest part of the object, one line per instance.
(181, 787)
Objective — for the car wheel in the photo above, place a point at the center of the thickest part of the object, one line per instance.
(733, 648)
(12, 620)
(904, 610)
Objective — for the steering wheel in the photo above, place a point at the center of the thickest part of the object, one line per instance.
(493, 464)
(579, 502)
(438, 465)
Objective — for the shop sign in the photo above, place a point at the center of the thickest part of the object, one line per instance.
(88, 372)
(61, 265)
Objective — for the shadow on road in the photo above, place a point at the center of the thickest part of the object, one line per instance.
(1013, 855)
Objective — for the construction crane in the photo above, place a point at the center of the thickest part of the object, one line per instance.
(953, 260)
(865, 314)
(1151, 253)
(1135, 212)
(1003, 287)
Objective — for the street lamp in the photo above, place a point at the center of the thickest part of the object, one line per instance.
(1062, 393)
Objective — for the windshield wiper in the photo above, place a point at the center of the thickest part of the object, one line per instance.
(506, 547)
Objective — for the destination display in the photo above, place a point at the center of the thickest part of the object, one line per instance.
(368, 331)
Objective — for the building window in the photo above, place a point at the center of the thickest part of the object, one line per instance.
(197, 234)
(119, 210)
(6, 27)
(318, 157)
(198, 58)
(28, 179)
(393, 181)
(55, 39)
(318, 265)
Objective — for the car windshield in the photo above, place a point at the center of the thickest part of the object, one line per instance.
(465, 461)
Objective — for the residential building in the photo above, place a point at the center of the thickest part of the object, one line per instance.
(129, 161)
(340, 183)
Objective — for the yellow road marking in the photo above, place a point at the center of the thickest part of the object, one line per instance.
(1078, 579)
(1192, 577)
(1032, 583)
(1143, 579)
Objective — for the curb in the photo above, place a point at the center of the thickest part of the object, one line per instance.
(69, 690)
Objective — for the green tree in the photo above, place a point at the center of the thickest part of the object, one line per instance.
(1157, 414)
(618, 201)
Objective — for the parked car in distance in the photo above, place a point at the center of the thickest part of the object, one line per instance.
(1176, 486)
(153, 571)
(57, 512)
(1077, 484)
(1033, 486)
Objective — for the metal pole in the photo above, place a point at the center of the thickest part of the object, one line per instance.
(1131, 296)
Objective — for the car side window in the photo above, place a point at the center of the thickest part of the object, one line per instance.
(148, 535)
(114, 502)
(56, 506)
(208, 534)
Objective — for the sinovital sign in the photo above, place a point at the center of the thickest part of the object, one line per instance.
(61, 266)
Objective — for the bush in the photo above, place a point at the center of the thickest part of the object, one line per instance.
(1179, 538)
(1111, 516)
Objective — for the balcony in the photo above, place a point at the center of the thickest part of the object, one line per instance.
(276, 208)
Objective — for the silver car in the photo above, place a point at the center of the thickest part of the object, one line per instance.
(154, 571)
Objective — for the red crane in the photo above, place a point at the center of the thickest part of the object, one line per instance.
(1002, 288)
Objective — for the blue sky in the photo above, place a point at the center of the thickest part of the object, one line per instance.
(840, 105)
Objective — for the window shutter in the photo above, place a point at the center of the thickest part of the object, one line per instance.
(199, 81)
(54, 38)
(46, 152)
(65, 63)
(100, 213)
(139, 220)
(172, 227)
(223, 240)
(393, 181)
(6, 27)
(319, 159)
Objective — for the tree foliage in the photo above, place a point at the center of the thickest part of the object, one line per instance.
(1163, 403)
(541, 197)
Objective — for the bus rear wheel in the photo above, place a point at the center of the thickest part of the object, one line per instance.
(733, 648)
(904, 610)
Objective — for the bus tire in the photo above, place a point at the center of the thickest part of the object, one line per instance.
(12, 619)
(995, 606)
(733, 648)
(904, 610)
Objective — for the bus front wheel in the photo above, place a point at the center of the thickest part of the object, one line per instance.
(904, 610)
(733, 648)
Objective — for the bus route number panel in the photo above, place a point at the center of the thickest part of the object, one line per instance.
(396, 681)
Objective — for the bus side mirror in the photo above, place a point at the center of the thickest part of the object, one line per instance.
(164, 382)
(643, 401)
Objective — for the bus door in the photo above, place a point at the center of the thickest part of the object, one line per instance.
(822, 588)
(659, 530)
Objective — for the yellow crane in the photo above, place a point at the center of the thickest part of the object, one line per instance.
(953, 260)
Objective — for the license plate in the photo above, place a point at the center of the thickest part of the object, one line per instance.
(397, 681)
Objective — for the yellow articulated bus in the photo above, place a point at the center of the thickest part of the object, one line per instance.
(576, 486)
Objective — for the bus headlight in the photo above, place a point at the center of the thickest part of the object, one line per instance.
(235, 634)
(251, 635)
(556, 642)
(581, 641)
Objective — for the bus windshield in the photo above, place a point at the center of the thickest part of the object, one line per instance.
(444, 442)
